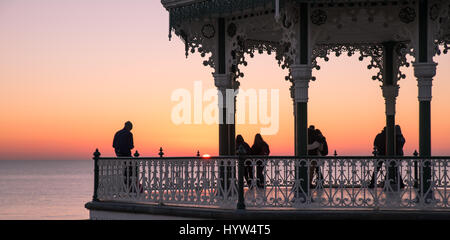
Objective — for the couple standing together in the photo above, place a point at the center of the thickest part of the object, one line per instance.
(259, 148)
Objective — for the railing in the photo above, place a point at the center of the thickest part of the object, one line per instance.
(261, 182)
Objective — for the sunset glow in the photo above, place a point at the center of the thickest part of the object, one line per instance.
(72, 72)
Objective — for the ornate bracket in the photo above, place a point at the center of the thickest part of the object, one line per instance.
(374, 51)
(241, 44)
(199, 37)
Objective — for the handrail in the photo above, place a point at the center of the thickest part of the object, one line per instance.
(278, 157)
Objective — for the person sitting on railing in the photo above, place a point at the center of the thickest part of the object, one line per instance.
(248, 169)
(260, 148)
(122, 144)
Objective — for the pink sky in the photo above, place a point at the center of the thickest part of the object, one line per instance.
(73, 71)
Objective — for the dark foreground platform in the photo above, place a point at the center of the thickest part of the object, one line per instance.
(121, 210)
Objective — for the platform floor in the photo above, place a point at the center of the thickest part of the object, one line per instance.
(284, 198)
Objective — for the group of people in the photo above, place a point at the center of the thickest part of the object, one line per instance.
(317, 146)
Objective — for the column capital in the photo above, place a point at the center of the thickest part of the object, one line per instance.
(301, 75)
(390, 94)
(390, 91)
(424, 70)
(301, 72)
(222, 81)
(424, 73)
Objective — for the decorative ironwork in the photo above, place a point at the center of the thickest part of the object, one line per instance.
(288, 41)
(402, 50)
(442, 33)
(319, 17)
(208, 31)
(275, 182)
(250, 47)
(407, 15)
(240, 46)
(199, 37)
(231, 30)
(434, 12)
(206, 9)
(374, 51)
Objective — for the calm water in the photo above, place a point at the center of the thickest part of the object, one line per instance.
(45, 189)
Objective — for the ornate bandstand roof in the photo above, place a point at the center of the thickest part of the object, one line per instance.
(188, 9)
(336, 26)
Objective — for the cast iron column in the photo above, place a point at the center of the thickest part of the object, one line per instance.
(221, 82)
(424, 70)
(301, 75)
(424, 73)
(390, 93)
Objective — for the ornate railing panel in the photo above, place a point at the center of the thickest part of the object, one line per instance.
(345, 182)
(191, 181)
(278, 182)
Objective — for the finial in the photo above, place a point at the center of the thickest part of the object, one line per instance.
(416, 153)
(161, 153)
(335, 153)
(136, 154)
(96, 154)
(198, 153)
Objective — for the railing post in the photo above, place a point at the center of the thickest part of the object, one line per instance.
(161, 190)
(241, 201)
(416, 180)
(161, 153)
(96, 173)
(138, 174)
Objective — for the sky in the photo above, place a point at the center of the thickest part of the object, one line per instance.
(73, 71)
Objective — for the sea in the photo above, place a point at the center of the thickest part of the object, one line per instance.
(45, 190)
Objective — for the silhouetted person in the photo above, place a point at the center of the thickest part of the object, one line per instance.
(122, 144)
(322, 140)
(260, 148)
(399, 143)
(317, 146)
(123, 141)
(380, 146)
(248, 168)
(313, 143)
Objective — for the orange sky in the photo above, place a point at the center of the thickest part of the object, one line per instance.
(72, 72)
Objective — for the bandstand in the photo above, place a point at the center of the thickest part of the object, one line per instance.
(297, 33)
